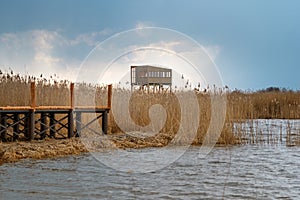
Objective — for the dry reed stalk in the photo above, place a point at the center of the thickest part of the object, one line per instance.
(49, 148)
(241, 106)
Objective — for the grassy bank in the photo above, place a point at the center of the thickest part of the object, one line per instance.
(49, 148)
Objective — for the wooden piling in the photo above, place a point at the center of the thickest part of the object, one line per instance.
(3, 127)
(31, 125)
(104, 122)
(30, 116)
(71, 113)
(78, 124)
(70, 124)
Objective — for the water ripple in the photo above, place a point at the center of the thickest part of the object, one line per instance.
(238, 172)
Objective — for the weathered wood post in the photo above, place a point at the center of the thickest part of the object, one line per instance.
(31, 125)
(32, 95)
(78, 124)
(104, 122)
(105, 113)
(70, 114)
(71, 123)
(3, 127)
(31, 119)
(72, 95)
(109, 95)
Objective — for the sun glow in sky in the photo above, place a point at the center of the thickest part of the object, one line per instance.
(255, 44)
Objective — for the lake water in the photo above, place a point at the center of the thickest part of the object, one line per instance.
(236, 172)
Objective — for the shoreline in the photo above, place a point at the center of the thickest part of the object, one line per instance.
(49, 148)
(53, 148)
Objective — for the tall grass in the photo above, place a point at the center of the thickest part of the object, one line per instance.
(241, 106)
(264, 105)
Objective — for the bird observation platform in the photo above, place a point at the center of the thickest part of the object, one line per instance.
(150, 77)
(39, 122)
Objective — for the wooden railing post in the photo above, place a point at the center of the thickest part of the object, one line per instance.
(30, 116)
(32, 95)
(109, 94)
(71, 114)
(72, 95)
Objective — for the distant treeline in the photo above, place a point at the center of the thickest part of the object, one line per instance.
(268, 89)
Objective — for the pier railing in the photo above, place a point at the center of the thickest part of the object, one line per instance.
(38, 122)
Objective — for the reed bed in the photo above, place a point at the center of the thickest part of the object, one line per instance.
(270, 116)
(242, 110)
(268, 131)
(282, 104)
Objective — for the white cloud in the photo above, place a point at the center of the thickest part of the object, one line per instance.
(44, 40)
(176, 54)
(143, 24)
(45, 59)
(33, 49)
(48, 52)
(91, 39)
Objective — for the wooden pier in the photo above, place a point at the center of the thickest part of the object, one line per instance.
(39, 122)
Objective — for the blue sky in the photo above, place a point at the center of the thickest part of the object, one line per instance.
(255, 43)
